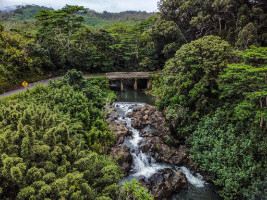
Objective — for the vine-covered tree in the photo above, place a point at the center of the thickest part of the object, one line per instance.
(189, 87)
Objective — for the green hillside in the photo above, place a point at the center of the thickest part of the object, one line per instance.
(91, 17)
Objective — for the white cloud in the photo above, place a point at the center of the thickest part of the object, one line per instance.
(97, 5)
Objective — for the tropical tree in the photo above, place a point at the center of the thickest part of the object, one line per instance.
(244, 86)
(189, 87)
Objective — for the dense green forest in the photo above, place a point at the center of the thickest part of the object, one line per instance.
(54, 143)
(213, 92)
(219, 110)
(59, 40)
(91, 17)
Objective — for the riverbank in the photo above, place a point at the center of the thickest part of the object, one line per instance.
(143, 152)
(44, 80)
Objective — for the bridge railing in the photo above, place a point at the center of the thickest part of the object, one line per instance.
(127, 73)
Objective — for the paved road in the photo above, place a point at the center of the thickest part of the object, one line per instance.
(112, 75)
(31, 85)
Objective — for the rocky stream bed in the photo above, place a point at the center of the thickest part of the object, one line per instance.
(142, 152)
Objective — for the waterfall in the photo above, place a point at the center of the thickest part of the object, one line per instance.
(144, 166)
(196, 181)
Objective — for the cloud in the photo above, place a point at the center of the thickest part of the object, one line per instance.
(97, 5)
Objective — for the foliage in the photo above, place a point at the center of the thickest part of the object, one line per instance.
(92, 18)
(244, 86)
(233, 155)
(232, 20)
(247, 36)
(189, 88)
(128, 41)
(16, 61)
(134, 191)
(27, 12)
(228, 144)
(48, 139)
(166, 37)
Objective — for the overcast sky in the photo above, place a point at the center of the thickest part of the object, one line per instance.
(97, 5)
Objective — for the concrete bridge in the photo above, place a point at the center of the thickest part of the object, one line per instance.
(121, 76)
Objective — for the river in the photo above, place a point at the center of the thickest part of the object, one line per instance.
(144, 165)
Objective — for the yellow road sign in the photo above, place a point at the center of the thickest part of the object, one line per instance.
(25, 84)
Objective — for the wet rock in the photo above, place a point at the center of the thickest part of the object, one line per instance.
(116, 116)
(145, 133)
(145, 148)
(120, 130)
(167, 173)
(179, 182)
(164, 183)
(155, 178)
(161, 191)
(180, 155)
(136, 124)
(122, 155)
(164, 153)
(129, 115)
(109, 121)
(148, 115)
(145, 184)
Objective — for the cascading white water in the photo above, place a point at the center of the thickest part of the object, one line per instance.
(196, 181)
(145, 165)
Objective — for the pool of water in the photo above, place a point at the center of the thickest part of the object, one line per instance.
(143, 164)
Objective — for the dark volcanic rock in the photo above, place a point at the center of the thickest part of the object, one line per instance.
(155, 178)
(121, 153)
(165, 183)
(179, 182)
(145, 148)
(167, 173)
(161, 191)
(148, 115)
(120, 131)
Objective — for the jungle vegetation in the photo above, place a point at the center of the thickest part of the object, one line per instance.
(54, 143)
(213, 91)
(59, 40)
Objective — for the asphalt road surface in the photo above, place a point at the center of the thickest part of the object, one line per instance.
(31, 85)
(113, 75)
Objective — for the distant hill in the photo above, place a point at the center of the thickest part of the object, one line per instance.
(23, 12)
(92, 18)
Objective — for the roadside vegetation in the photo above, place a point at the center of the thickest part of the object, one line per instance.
(54, 143)
(213, 91)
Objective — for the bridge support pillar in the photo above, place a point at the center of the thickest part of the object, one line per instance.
(135, 84)
(121, 85)
(148, 84)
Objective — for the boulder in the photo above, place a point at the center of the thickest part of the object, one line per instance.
(179, 155)
(145, 148)
(167, 173)
(116, 116)
(130, 115)
(155, 179)
(161, 191)
(122, 155)
(164, 183)
(120, 131)
(179, 182)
